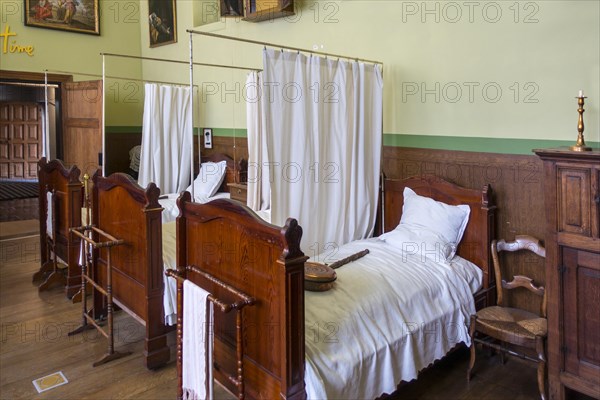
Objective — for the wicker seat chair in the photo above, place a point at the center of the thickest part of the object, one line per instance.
(513, 330)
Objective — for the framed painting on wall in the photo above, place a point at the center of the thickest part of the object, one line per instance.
(80, 16)
(232, 8)
(162, 21)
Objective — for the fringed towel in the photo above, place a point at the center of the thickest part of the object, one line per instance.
(82, 252)
(86, 219)
(197, 343)
(49, 214)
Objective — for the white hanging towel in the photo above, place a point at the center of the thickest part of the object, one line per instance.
(197, 343)
(81, 259)
(49, 214)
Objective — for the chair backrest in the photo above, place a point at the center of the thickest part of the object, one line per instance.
(522, 242)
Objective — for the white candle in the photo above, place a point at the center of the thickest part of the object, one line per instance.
(580, 93)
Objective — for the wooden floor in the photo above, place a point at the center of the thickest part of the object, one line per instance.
(34, 343)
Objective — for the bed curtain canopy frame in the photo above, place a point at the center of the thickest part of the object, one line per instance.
(193, 32)
(191, 85)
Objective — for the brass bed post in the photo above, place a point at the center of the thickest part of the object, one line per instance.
(77, 297)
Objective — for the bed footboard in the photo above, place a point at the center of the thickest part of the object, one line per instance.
(54, 176)
(227, 240)
(127, 211)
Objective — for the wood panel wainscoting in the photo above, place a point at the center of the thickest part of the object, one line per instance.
(516, 181)
(118, 145)
(237, 149)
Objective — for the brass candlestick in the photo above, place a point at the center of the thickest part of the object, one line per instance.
(580, 145)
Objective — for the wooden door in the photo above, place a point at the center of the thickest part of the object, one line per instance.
(82, 125)
(581, 313)
(20, 140)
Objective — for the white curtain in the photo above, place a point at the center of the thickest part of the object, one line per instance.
(259, 189)
(166, 140)
(324, 119)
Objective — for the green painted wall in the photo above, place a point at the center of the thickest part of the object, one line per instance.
(491, 70)
(483, 69)
(79, 54)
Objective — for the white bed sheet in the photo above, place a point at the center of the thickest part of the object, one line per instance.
(169, 203)
(387, 317)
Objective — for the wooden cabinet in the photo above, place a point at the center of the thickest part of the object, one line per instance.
(238, 191)
(572, 197)
(261, 10)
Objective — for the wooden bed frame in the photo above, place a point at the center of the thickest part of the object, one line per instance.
(481, 230)
(127, 211)
(65, 182)
(228, 241)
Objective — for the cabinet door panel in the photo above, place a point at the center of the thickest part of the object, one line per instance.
(581, 289)
(574, 198)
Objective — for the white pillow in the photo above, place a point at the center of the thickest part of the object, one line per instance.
(448, 221)
(209, 179)
(420, 242)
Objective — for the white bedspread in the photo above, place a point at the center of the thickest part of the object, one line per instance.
(169, 203)
(387, 317)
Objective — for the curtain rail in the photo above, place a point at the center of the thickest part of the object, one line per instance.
(40, 85)
(181, 62)
(215, 35)
(121, 78)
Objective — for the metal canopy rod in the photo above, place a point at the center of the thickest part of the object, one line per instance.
(51, 85)
(191, 66)
(215, 35)
(46, 132)
(181, 62)
(104, 123)
(121, 78)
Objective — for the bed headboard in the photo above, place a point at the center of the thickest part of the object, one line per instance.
(235, 172)
(480, 231)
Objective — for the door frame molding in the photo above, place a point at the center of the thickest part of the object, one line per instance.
(34, 76)
(39, 77)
